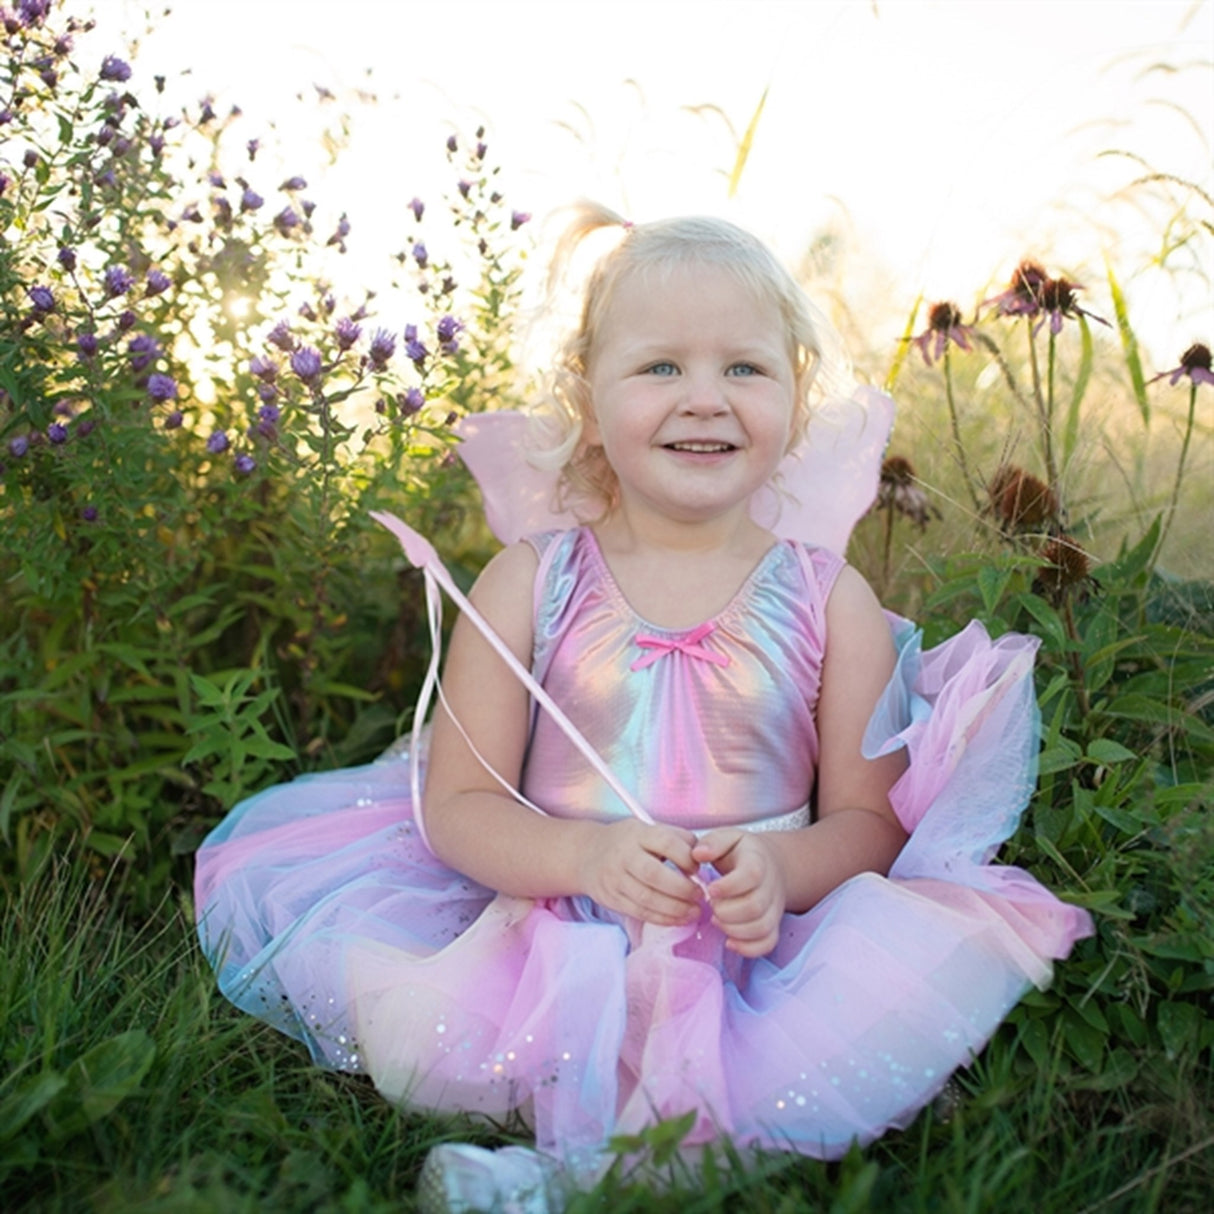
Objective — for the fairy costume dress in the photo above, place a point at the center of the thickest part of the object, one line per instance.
(326, 914)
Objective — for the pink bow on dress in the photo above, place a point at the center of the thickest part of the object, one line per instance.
(691, 645)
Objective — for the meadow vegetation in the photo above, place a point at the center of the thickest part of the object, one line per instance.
(196, 417)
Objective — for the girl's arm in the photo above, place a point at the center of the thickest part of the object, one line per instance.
(856, 829)
(477, 828)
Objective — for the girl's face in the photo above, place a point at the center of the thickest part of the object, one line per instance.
(692, 392)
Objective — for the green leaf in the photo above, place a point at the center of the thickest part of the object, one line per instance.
(28, 1099)
(1129, 346)
(1063, 755)
(1084, 1041)
(1179, 1026)
(99, 1081)
(1107, 752)
(1052, 628)
(992, 582)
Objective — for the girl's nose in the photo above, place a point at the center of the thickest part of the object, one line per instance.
(704, 396)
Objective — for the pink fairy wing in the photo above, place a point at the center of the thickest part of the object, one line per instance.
(826, 483)
(821, 489)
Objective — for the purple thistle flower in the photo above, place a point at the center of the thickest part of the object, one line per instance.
(410, 333)
(86, 344)
(89, 514)
(143, 351)
(117, 281)
(269, 414)
(452, 143)
(250, 200)
(280, 336)
(43, 299)
(105, 136)
(447, 328)
(57, 433)
(518, 218)
(85, 427)
(156, 283)
(265, 369)
(464, 186)
(411, 401)
(267, 391)
(294, 183)
(18, 446)
(161, 388)
(244, 463)
(191, 214)
(30, 159)
(49, 77)
(307, 206)
(115, 69)
(305, 362)
(125, 321)
(67, 258)
(383, 346)
(253, 147)
(156, 143)
(418, 208)
(347, 332)
(341, 232)
(286, 219)
(217, 181)
(420, 255)
(416, 352)
(174, 420)
(5, 182)
(63, 45)
(217, 444)
(33, 12)
(1195, 362)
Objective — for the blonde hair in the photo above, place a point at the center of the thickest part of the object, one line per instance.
(587, 482)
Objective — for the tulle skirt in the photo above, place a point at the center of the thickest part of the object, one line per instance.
(325, 915)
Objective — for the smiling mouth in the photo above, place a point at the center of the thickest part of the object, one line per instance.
(699, 448)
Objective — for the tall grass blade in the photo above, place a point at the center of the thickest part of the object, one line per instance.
(744, 147)
(904, 345)
(1129, 345)
(1083, 375)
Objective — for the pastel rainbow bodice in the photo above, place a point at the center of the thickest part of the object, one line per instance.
(707, 726)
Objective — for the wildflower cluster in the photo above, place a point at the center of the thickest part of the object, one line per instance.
(195, 418)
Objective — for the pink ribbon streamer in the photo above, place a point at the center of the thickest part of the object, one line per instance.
(420, 552)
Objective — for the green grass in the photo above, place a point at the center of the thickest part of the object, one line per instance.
(128, 1084)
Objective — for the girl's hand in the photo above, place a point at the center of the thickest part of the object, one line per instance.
(626, 869)
(748, 901)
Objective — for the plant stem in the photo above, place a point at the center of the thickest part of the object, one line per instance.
(960, 449)
(1073, 661)
(887, 555)
(1043, 408)
(1170, 514)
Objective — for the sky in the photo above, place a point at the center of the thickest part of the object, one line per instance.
(935, 142)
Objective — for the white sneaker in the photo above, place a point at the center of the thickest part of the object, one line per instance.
(458, 1179)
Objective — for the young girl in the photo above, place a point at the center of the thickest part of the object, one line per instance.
(775, 910)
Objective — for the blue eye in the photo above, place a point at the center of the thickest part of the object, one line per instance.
(663, 368)
(744, 369)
